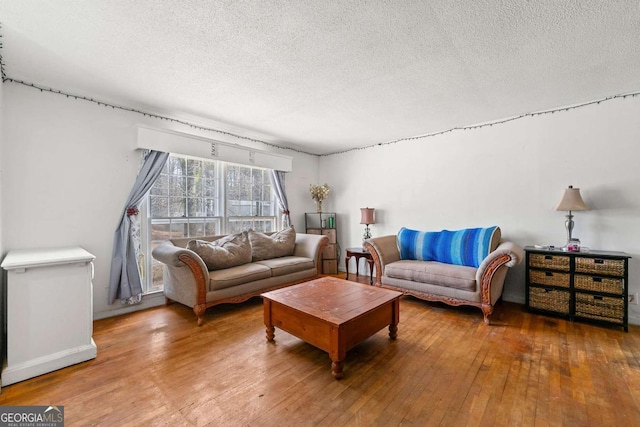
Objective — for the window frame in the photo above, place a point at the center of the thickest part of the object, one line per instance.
(224, 222)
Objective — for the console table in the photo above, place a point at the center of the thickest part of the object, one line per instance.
(359, 253)
(586, 285)
(49, 320)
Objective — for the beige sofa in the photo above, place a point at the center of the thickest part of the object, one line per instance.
(189, 281)
(436, 281)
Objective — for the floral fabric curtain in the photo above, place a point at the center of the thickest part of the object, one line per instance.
(277, 183)
(125, 282)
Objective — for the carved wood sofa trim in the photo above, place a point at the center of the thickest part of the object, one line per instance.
(202, 284)
(485, 285)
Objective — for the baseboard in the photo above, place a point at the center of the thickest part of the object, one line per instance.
(148, 301)
(518, 299)
(49, 363)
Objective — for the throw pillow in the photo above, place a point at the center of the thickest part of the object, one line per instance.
(279, 244)
(225, 252)
(461, 247)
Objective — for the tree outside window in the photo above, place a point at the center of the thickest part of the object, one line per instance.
(197, 198)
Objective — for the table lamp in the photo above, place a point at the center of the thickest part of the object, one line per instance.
(571, 201)
(366, 217)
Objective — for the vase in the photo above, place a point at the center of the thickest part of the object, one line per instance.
(319, 206)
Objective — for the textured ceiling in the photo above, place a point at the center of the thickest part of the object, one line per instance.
(325, 76)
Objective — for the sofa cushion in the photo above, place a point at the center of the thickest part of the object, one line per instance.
(238, 275)
(434, 273)
(466, 247)
(279, 244)
(226, 252)
(286, 265)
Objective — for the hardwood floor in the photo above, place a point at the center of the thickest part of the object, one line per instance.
(156, 367)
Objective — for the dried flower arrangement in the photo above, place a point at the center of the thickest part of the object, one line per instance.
(319, 193)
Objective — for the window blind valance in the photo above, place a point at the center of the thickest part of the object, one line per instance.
(191, 145)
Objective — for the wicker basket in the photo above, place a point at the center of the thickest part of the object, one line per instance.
(600, 307)
(550, 278)
(609, 285)
(611, 267)
(553, 262)
(549, 299)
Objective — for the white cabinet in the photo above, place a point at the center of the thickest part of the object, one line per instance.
(49, 311)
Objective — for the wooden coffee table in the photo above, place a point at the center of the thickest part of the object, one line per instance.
(332, 314)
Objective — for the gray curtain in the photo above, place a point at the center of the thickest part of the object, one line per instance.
(125, 283)
(277, 183)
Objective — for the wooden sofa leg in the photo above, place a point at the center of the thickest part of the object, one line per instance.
(486, 311)
(199, 310)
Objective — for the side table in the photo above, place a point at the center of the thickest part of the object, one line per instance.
(359, 253)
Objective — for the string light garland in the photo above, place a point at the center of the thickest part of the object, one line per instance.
(487, 124)
(146, 114)
(246, 138)
(5, 78)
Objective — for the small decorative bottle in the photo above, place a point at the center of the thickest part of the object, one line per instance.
(573, 245)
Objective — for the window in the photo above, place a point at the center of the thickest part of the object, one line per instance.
(249, 199)
(196, 198)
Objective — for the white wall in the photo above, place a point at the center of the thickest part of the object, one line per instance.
(511, 175)
(68, 167)
(1, 171)
(2, 275)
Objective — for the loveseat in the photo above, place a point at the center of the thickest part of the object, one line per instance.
(204, 272)
(431, 265)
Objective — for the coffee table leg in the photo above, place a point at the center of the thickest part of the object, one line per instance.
(271, 333)
(395, 319)
(393, 331)
(336, 369)
(267, 320)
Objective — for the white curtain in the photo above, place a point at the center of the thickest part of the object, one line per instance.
(277, 183)
(125, 283)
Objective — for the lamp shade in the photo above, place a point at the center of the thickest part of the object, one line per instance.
(366, 216)
(572, 201)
